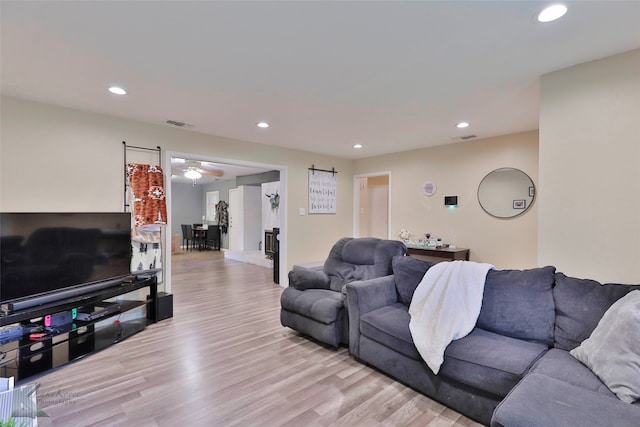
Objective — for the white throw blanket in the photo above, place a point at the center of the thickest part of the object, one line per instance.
(445, 307)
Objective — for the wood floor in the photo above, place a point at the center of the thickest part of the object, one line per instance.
(225, 360)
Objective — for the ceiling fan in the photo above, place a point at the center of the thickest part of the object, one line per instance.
(194, 169)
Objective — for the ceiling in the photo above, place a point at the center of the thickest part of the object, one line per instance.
(390, 75)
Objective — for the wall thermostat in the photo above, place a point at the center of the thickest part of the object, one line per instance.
(451, 200)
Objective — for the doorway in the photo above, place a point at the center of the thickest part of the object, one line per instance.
(372, 209)
(168, 155)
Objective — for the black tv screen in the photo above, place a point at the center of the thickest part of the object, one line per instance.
(48, 252)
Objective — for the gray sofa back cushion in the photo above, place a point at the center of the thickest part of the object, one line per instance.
(580, 304)
(519, 304)
(360, 259)
(408, 272)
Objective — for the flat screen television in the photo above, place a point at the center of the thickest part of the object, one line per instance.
(48, 255)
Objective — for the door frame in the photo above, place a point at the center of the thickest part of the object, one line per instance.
(356, 201)
(283, 208)
(237, 240)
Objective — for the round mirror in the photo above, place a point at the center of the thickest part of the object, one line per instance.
(506, 193)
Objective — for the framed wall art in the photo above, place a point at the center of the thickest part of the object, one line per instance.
(519, 204)
(322, 191)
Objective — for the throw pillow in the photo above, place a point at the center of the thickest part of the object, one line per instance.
(612, 352)
(580, 304)
(519, 304)
(408, 272)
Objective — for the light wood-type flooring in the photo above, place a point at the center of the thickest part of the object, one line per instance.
(225, 360)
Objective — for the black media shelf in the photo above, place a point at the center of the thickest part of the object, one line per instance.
(25, 356)
(81, 300)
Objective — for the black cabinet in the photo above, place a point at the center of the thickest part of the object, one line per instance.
(276, 255)
(272, 250)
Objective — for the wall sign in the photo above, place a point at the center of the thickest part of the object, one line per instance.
(322, 191)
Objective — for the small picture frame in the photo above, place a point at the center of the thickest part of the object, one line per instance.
(532, 191)
(519, 204)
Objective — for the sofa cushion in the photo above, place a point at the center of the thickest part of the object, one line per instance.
(519, 304)
(488, 361)
(560, 364)
(321, 305)
(542, 401)
(389, 326)
(580, 304)
(408, 272)
(612, 351)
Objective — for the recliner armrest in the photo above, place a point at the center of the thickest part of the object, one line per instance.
(365, 296)
(304, 278)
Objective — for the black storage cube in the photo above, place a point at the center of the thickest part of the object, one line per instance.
(164, 306)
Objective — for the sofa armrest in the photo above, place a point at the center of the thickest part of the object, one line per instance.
(304, 278)
(365, 296)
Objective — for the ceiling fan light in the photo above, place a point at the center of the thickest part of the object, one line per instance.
(192, 174)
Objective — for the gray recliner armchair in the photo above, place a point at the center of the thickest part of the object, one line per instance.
(314, 303)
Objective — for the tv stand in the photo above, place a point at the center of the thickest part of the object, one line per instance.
(28, 355)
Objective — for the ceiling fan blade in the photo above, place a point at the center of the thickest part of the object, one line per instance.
(196, 165)
(212, 172)
(177, 170)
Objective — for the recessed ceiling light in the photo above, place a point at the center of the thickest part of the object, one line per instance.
(357, 145)
(462, 125)
(553, 12)
(117, 90)
(263, 125)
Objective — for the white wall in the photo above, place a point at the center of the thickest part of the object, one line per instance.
(584, 219)
(187, 203)
(457, 170)
(250, 211)
(270, 216)
(59, 159)
(590, 169)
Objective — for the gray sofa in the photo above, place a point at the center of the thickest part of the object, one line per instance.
(514, 369)
(314, 303)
